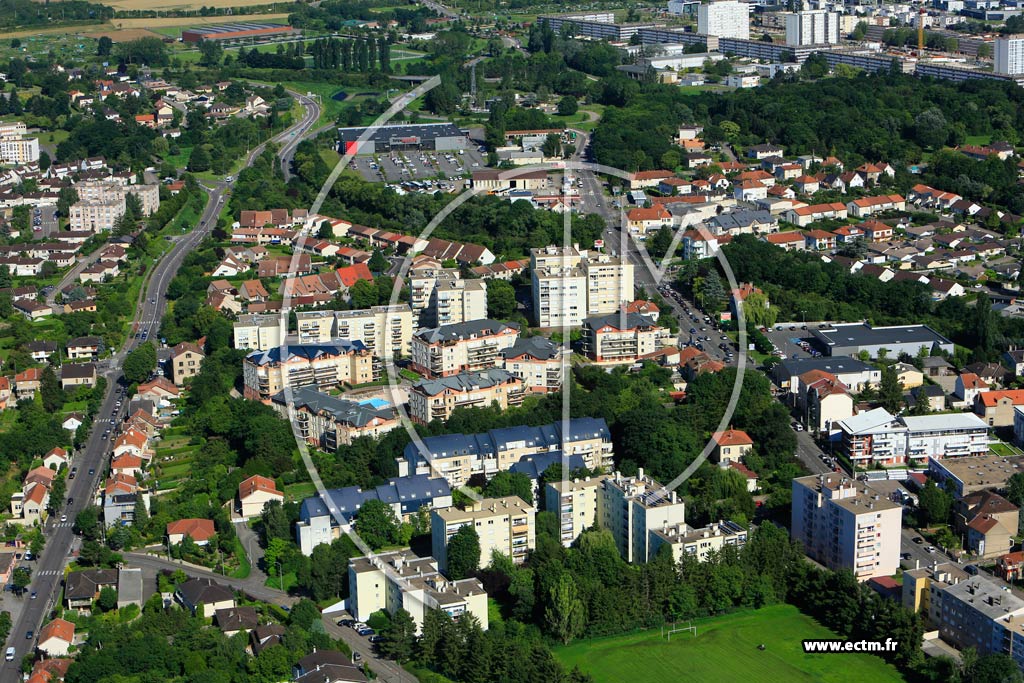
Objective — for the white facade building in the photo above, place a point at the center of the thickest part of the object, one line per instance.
(1009, 55)
(725, 19)
(812, 27)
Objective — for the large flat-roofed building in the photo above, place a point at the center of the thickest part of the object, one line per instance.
(429, 136)
(594, 25)
(386, 331)
(632, 507)
(878, 437)
(457, 457)
(329, 421)
(569, 285)
(968, 613)
(437, 399)
(1009, 55)
(685, 541)
(505, 525)
(921, 583)
(849, 339)
(258, 332)
(812, 27)
(318, 516)
(15, 149)
(844, 524)
(969, 475)
(463, 347)
(265, 373)
(240, 32)
(725, 19)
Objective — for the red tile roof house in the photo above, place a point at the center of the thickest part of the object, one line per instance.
(731, 445)
(56, 638)
(1010, 567)
(199, 530)
(254, 493)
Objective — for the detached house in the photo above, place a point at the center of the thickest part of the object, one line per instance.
(185, 362)
(254, 493)
(865, 206)
(204, 597)
(805, 215)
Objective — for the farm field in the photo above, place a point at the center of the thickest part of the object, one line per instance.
(725, 649)
(167, 5)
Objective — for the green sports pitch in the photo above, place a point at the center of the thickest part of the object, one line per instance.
(726, 649)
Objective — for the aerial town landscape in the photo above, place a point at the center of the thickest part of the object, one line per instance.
(511, 342)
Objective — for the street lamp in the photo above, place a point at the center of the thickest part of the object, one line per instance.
(280, 573)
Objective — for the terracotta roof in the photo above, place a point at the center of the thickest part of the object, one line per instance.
(257, 483)
(655, 213)
(185, 347)
(197, 529)
(972, 381)
(990, 398)
(159, 383)
(124, 483)
(865, 202)
(652, 175)
(58, 628)
(126, 461)
(783, 237)
(983, 523)
(742, 469)
(732, 437)
(820, 208)
(36, 494)
(352, 274)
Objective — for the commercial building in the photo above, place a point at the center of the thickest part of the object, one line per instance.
(969, 475)
(318, 520)
(844, 524)
(236, 33)
(457, 457)
(385, 331)
(725, 19)
(535, 360)
(632, 507)
(812, 27)
(849, 339)
(570, 284)
(463, 347)
(328, 421)
(1009, 55)
(380, 139)
(878, 437)
(504, 525)
(685, 541)
(258, 332)
(402, 580)
(265, 373)
(618, 338)
(437, 399)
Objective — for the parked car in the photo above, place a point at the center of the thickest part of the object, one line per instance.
(29, 635)
(971, 569)
(365, 631)
(918, 540)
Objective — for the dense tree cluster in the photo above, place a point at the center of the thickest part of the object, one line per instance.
(352, 55)
(22, 13)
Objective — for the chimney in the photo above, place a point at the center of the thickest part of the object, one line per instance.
(639, 473)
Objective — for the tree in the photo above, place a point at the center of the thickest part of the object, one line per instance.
(108, 599)
(199, 160)
(212, 52)
(376, 524)
(568, 105)
(506, 483)
(363, 294)
(378, 263)
(87, 523)
(140, 363)
(275, 522)
(758, 311)
(860, 30)
(463, 553)
(890, 391)
(933, 505)
(552, 146)
(59, 488)
(931, 128)
(399, 638)
(51, 391)
(103, 46)
(5, 624)
(22, 578)
(501, 299)
(565, 615)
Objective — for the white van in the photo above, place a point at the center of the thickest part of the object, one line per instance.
(10, 654)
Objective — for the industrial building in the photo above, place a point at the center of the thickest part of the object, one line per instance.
(236, 33)
(849, 339)
(429, 136)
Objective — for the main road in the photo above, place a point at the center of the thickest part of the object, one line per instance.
(90, 460)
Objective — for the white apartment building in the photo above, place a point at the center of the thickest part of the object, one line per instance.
(402, 580)
(619, 338)
(537, 361)
(422, 281)
(95, 216)
(8, 128)
(437, 399)
(102, 203)
(506, 525)
(632, 507)
(570, 284)
(386, 331)
(684, 540)
(463, 347)
(258, 332)
(876, 436)
(456, 301)
(17, 150)
(844, 524)
(575, 501)
(1009, 55)
(812, 27)
(725, 19)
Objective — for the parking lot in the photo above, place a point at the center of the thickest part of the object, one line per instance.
(794, 340)
(409, 165)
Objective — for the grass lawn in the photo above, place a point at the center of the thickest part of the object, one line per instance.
(725, 649)
(242, 572)
(1003, 449)
(980, 140)
(303, 489)
(275, 581)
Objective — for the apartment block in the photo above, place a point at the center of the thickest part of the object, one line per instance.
(17, 150)
(725, 19)
(456, 301)
(258, 332)
(844, 524)
(463, 347)
(385, 331)
(437, 399)
(506, 525)
(974, 613)
(265, 373)
(685, 541)
(575, 502)
(1009, 55)
(877, 437)
(457, 457)
(95, 216)
(570, 284)
(423, 278)
(619, 338)
(537, 361)
(922, 583)
(329, 421)
(402, 580)
(632, 507)
(812, 27)
(101, 203)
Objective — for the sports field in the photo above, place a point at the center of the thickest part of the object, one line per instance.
(725, 649)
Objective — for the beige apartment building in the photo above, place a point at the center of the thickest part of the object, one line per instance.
(95, 216)
(329, 421)
(423, 278)
(506, 525)
(685, 541)
(258, 332)
(457, 301)
(619, 338)
(451, 349)
(185, 362)
(16, 150)
(575, 502)
(437, 399)
(921, 583)
(537, 361)
(265, 373)
(386, 331)
(844, 524)
(632, 507)
(402, 580)
(101, 203)
(570, 285)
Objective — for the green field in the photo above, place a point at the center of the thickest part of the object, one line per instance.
(725, 649)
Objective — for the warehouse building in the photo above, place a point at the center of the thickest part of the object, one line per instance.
(429, 136)
(849, 339)
(230, 33)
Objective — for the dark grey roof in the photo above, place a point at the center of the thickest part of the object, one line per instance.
(237, 618)
(45, 346)
(411, 492)
(77, 370)
(618, 321)
(457, 331)
(738, 220)
(534, 465)
(84, 585)
(340, 409)
(537, 347)
(866, 335)
(204, 591)
(464, 381)
(384, 134)
(85, 341)
(833, 364)
(338, 347)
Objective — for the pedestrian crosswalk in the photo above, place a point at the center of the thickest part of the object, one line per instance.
(49, 572)
(63, 525)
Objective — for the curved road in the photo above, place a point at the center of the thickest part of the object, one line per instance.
(49, 570)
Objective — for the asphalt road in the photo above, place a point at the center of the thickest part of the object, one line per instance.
(59, 537)
(298, 133)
